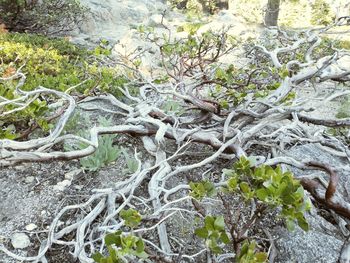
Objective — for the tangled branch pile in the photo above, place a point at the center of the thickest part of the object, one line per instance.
(251, 118)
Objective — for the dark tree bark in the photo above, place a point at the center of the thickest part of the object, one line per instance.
(222, 4)
(272, 10)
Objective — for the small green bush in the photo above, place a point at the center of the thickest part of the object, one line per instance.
(121, 247)
(54, 63)
(321, 13)
(344, 109)
(270, 189)
(105, 153)
(45, 17)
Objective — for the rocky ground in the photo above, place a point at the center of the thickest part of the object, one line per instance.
(31, 194)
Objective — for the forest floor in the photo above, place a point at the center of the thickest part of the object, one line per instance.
(32, 194)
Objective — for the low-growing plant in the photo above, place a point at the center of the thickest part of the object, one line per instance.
(344, 109)
(202, 189)
(213, 232)
(105, 153)
(270, 189)
(249, 253)
(131, 217)
(121, 247)
(198, 7)
(321, 13)
(186, 56)
(131, 163)
(52, 63)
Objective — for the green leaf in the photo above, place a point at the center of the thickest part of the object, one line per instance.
(209, 188)
(209, 223)
(201, 232)
(229, 173)
(219, 223)
(131, 216)
(262, 194)
(303, 223)
(224, 238)
(244, 249)
(290, 224)
(97, 257)
(142, 255)
(232, 184)
(214, 247)
(260, 257)
(244, 186)
(140, 246)
(111, 239)
(299, 193)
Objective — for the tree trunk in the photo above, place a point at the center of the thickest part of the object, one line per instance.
(272, 10)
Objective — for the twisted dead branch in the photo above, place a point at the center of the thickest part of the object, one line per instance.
(231, 134)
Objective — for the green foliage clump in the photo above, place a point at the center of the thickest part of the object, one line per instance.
(273, 188)
(321, 13)
(248, 253)
(131, 217)
(269, 189)
(121, 246)
(345, 44)
(105, 153)
(214, 233)
(231, 85)
(344, 109)
(255, 13)
(201, 189)
(291, 11)
(53, 63)
(45, 17)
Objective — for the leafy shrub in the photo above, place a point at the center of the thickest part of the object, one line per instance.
(52, 63)
(345, 44)
(268, 188)
(184, 56)
(344, 109)
(214, 232)
(46, 17)
(292, 10)
(131, 163)
(273, 188)
(104, 154)
(119, 246)
(321, 13)
(248, 253)
(255, 13)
